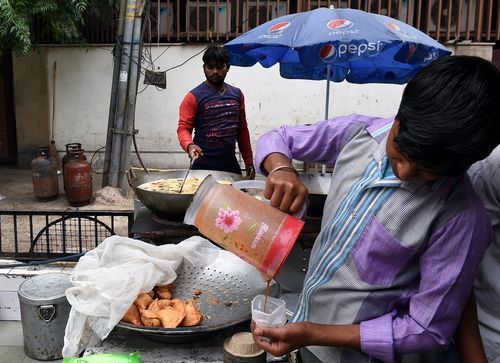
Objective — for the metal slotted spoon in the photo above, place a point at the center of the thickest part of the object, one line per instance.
(227, 291)
(187, 173)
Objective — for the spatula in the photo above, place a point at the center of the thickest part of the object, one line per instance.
(185, 177)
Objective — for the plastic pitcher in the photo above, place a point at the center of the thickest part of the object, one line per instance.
(258, 233)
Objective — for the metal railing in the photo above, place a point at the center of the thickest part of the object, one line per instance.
(40, 235)
(222, 20)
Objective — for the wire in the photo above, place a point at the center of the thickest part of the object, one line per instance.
(139, 155)
(187, 60)
(92, 160)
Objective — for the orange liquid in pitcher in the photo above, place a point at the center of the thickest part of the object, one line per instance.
(239, 223)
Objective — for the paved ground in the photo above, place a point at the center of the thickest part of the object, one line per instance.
(17, 189)
(11, 344)
(16, 193)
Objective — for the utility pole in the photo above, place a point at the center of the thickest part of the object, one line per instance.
(131, 97)
(117, 52)
(123, 95)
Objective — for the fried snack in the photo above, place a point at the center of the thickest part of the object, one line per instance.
(197, 292)
(163, 303)
(172, 316)
(154, 305)
(166, 295)
(132, 316)
(150, 318)
(179, 305)
(143, 300)
(165, 291)
(193, 316)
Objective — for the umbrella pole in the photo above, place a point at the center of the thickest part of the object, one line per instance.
(328, 77)
(327, 103)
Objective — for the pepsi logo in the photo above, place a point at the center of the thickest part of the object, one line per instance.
(392, 26)
(339, 24)
(279, 27)
(327, 53)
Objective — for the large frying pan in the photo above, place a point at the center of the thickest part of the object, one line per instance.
(171, 206)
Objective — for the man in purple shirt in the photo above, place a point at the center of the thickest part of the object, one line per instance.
(403, 231)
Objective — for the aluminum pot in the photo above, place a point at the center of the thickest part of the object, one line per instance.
(171, 205)
(44, 314)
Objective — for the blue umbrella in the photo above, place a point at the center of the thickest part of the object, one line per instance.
(337, 45)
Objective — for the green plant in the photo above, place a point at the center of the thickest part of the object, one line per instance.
(62, 18)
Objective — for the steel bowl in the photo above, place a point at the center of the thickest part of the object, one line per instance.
(227, 290)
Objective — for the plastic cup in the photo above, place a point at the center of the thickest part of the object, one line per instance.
(256, 232)
(274, 314)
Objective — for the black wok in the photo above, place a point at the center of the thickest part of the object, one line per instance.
(171, 205)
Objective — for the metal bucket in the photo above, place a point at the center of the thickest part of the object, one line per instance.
(44, 314)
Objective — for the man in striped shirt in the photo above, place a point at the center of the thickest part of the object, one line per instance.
(403, 231)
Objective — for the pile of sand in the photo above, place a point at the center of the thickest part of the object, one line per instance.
(111, 196)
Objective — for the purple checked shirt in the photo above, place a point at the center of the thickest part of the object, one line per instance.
(397, 257)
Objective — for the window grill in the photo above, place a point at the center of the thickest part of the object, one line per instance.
(40, 235)
(222, 20)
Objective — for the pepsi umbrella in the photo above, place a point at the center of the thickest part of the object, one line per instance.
(337, 45)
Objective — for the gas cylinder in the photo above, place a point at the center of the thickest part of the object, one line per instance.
(69, 147)
(65, 158)
(44, 175)
(78, 179)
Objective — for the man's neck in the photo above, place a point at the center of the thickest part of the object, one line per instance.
(218, 87)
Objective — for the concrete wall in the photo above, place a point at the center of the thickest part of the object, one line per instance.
(83, 86)
(31, 104)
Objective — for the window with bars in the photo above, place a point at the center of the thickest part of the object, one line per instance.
(222, 20)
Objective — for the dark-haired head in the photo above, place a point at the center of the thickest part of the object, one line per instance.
(449, 116)
(216, 55)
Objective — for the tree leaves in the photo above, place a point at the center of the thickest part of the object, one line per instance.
(63, 19)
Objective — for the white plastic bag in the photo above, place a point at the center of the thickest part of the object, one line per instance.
(107, 280)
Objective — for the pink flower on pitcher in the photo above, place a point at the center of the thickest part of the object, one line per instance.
(228, 220)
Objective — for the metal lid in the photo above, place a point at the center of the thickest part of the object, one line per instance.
(44, 289)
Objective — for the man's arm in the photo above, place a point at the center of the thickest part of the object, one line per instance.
(447, 269)
(320, 142)
(292, 336)
(283, 188)
(187, 117)
(467, 336)
(244, 135)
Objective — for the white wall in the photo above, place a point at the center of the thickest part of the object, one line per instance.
(84, 84)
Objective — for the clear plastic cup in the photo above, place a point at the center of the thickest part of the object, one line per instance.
(274, 314)
(256, 232)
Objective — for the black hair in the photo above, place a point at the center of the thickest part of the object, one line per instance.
(449, 116)
(216, 55)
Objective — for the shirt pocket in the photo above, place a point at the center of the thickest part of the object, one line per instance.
(378, 256)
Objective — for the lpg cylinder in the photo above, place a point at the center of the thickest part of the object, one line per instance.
(69, 147)
(78, 179)
(44, 175)
(65, 158)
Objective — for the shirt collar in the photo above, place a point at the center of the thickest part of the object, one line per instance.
(442, 185)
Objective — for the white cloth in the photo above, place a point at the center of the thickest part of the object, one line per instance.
(107, 280)
(486, 178)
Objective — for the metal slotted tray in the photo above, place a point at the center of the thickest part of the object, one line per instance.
(227, 290)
